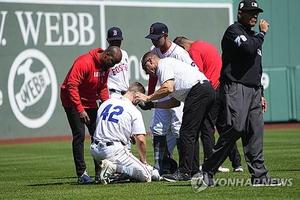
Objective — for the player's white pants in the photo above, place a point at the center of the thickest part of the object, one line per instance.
(120, 155)
(167, 122)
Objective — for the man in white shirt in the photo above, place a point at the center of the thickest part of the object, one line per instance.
(118, 77)
(165, 123)
(184, 84)
(118, 119)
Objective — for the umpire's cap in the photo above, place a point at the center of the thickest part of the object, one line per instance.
(247, 5)
(157, 30)
(114, 33)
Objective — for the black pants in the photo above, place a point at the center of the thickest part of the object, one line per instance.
(196, 107)
(216, 118)
(244, 118)
(78, 132)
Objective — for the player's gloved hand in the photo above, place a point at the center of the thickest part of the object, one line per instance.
(147, 105)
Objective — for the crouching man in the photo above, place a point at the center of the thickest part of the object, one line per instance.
(118, 120)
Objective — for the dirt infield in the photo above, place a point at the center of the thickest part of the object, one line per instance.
(282, 126)
(35, 140)
(268, 126)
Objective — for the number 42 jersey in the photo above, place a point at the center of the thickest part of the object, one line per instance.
(117, 120)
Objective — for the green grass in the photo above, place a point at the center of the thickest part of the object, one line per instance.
(46, 171)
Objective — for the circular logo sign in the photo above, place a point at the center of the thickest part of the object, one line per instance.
(32, 80)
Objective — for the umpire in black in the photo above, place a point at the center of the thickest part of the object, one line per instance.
(241, 92)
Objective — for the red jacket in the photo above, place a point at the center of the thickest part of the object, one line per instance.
(208, 60)
(85, 82)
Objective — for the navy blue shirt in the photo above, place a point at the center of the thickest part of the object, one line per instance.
(241, 55)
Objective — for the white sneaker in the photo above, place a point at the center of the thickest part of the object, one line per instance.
(238, 169)
(107, 170)
(223, 169)
(155, 175)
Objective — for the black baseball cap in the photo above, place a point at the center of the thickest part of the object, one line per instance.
(247, 5)
(114, 33)
(157, 30)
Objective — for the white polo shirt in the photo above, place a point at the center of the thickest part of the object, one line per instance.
(184, 76)
(117, 120)
(175, 51)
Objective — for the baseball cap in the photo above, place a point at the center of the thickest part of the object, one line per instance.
(157, 30)
(114, 33)
(247, 5)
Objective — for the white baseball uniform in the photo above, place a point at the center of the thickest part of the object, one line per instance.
(165, 121)
(118, 77)
(117, 120)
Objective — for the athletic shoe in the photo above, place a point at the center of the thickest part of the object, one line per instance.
(265, 182)
(155, 175)
(223, 169)
(108, 169)
(85, 179)
(97, 177)
(238, 169)
(203, 179)
(177, 176)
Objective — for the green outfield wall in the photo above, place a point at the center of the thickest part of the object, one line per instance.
(40, 39)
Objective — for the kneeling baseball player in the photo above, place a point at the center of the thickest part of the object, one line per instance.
(118, 119)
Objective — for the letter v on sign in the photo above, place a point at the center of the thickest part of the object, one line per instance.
(2, 23)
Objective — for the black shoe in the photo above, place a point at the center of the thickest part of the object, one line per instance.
(97, 179)
(177, 176)
(256, 182)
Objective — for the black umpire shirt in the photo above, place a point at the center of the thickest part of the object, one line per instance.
(241, 55)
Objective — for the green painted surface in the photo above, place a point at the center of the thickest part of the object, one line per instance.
(51, 40)
(190, 22)
(281, 48)
(278, 94)
(60, 23)
(296, 92)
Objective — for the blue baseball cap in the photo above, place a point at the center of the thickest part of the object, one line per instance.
(157, 30)
(114, 33)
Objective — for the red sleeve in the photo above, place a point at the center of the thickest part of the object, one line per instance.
(151, 84)
(75, 78)
(196, 56)
(104, 94)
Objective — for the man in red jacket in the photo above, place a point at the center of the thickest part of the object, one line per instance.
(86, 83)
(208, 60)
